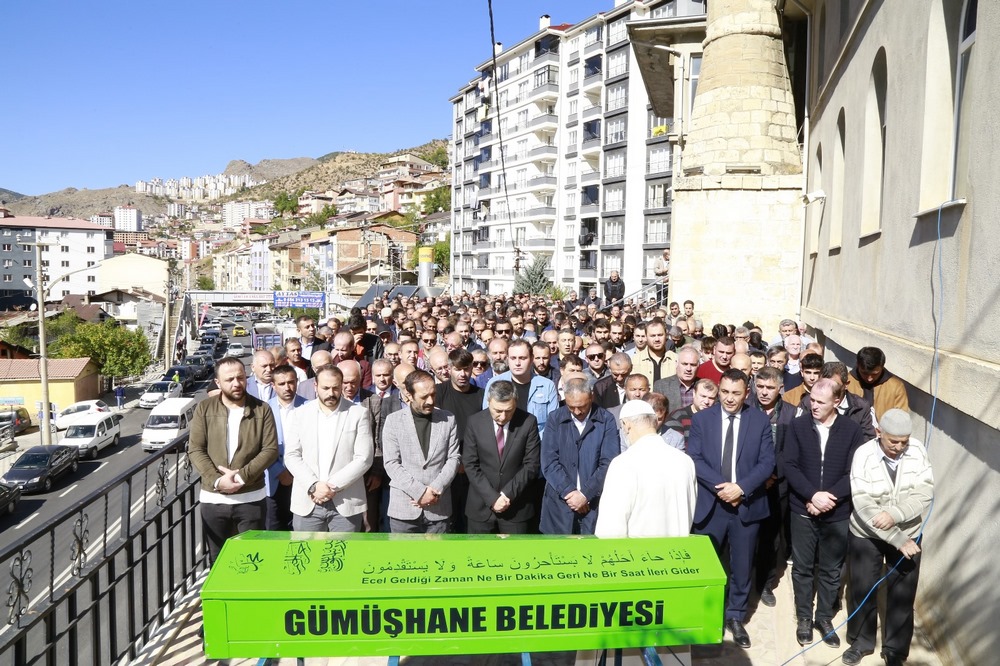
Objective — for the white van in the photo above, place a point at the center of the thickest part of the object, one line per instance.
(92, 432)
(169, 420)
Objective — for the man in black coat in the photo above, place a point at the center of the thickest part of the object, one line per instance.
(819, 448)
(614, 290)
(501, 455)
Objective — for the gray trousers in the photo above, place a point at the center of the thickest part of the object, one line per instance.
(326, 518)
(419, 526)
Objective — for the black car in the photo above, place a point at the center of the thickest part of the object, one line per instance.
(183, 372)
(39, 466)
(201, 366)
(17, 418)
(9, 497)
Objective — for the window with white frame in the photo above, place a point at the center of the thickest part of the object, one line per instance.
(570, 198)
(617, 96)
(658, 195)
(666, 10)
(523, 61)
(522, 91)
(502, 99)
(573, 104)
(521, 177)
(659, 126)
(618, 63)
(617, 31)
(694, 75)
(574, 75)
(657, 230)
(658, 159)
(592, 36)
(614, 164)
(573, 140)
(616, 130)
(967, 40)
(570, 167)
(614, 199)
(611, 262)
(522, 118)
(613, 232)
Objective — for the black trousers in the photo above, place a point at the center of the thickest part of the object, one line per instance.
(496, 525)
(222, 521)
(818, 546)
(773, 540)
(278, 517)
(459, 493)
(723, 525)
(869, 558)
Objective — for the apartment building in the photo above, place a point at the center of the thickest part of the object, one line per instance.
(70, 247)
(235, 212)
(558, 154)
(127, 218)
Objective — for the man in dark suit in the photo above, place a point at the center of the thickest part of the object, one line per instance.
(819, 448)
(306, 326)
(501, 457)
(580, 441)
(733, 453)
(610, 391)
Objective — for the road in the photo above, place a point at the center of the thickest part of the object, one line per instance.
(103, 516)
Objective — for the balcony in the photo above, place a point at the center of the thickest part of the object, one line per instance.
(590, 207)
(546, 58)
(501, 244)
(617, 105)
(544, 90)
(540, 241)
(614, 173)
(593, 80)
(657, 238)
(480, 271)
(657, 205)
(591, 145)
(614, 208)
(612, 239)
(543, 151)
(660, 132)
(591, 112)
(590, 177)
(616, 137)
(539, 212)
(543, 182)
(544, 121)
(662, 167)
(593, 46)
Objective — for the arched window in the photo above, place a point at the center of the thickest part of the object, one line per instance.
(967, 39)
(816, 208)
(836, 201)
(873, 174)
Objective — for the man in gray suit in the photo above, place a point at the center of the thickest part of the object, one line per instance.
(679, 389)
(328, 449)
(421, 456)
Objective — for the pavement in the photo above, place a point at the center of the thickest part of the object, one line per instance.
(772, 631)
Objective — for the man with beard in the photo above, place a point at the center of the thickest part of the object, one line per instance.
(328, 450)
(345, 349)
(462, 398)
(535, 394)
(497, 351)
(233, 441)
(541, 359)
(882, 389)
(277, 478)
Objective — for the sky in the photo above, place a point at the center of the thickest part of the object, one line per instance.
(109, 92)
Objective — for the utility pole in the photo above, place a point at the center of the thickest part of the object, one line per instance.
(45, 426)
(168, 334)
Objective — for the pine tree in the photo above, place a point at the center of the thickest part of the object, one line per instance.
(532, 280)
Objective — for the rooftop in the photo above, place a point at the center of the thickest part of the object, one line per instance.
(21, 369)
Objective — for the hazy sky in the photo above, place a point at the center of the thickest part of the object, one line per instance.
(106, 92)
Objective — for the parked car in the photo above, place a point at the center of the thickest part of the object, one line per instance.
(93, 432)
(157, 392)
(236, 350)
(9, 497)
(239, 332)
(68, 416)
(167, 422)
(202, 365)
(40, 466)
(17, 418)
(183, 373)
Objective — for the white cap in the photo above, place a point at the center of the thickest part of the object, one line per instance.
(635, 408)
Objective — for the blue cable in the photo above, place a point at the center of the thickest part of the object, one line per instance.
(935, 377)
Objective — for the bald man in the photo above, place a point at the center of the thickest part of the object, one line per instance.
(307, 389)
(346, 349)
(259, 383)
(351, 386)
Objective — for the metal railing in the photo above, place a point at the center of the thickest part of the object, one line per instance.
(94, 584)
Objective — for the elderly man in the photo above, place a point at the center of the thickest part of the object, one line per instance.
(819, 448)
(345, 349)
(259, 383)
(614, 290)
(497, 352)
(421, 457)
(328, 449)
(679, 388)
(706, 393)
(892, 487)
(437, 361)
(351, 382)
(501, 458)
(609, 391)
(651, 488)
(307, 389)
(578, 447)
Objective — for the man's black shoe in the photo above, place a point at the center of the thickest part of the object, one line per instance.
(739, 632)
(830, 636)
(892, 659)
(767, 598)
(853, 656)
(804, 631)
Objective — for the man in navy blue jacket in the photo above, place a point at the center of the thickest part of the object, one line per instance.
(580, 441)
(819, 448)
(733, 452)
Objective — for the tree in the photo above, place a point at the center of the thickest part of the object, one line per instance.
(117, 351)
(438, 157)
(439, 199)
(532, 280)
(205, 283)
(286, 203)
(319, 219)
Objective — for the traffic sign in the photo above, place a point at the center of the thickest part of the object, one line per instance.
(299, 299)
(13, 401)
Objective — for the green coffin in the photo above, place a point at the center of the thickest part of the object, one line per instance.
(281, 594)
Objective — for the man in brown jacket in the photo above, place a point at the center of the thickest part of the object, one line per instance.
(882, 389)
(233, 440)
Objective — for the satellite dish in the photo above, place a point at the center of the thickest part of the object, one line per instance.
(34, 306)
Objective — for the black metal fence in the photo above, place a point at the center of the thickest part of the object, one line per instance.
(93, 585)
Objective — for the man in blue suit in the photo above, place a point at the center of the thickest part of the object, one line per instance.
(277, 479)
(733, 452)
(580, 441)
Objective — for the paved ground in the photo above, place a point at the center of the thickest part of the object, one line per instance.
(772, 631)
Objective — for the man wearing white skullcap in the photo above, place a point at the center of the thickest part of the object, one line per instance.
(891, 490)
(651, 488)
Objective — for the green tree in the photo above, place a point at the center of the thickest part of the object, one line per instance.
(319, 219)
(286, 203)
(438, 157)
(205, 283)
(117, 351)
(532, 280)
(439, 199)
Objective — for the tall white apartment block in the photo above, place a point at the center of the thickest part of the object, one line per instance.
(234, 212)
(127, 218)
(582, 174)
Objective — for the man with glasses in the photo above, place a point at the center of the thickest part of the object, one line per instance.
(497, 352)
(480, 363)
(504, 329)
(392, 354)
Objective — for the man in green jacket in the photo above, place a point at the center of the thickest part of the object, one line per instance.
(233, 440)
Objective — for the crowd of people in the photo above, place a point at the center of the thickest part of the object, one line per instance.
(515, 415)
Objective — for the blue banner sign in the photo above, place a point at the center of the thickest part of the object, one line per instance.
(299, 299)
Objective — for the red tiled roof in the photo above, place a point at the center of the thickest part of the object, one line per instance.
(20, 369)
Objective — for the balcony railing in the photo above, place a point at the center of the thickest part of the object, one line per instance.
(657, 237)
(615, 137)
(92, 584)
(659, 166)
(613, 239)
(617, 103)
(617, 70)
(615, 171)
(614, 206)
(657, 202)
